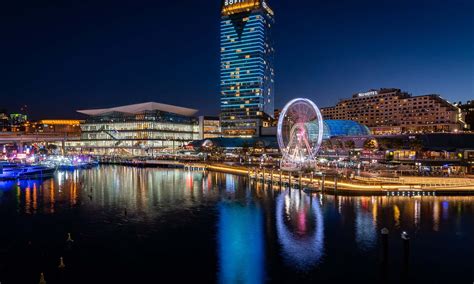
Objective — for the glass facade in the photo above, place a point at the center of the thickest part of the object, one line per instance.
(334, 128)
(247, 73)
(144, 134)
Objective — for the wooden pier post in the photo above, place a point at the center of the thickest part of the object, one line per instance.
(271, 178)
(289, 179)
(300, 182)
(322, 182)
(280, 178)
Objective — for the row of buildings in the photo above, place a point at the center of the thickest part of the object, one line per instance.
(151, 128)
(12, 122)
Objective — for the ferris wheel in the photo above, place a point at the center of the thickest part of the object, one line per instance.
(299, 133)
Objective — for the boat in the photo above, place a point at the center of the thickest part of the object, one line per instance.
(71, 165)
(9, 171)
(36, 171)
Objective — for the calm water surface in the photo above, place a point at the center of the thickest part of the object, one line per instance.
(131, 225)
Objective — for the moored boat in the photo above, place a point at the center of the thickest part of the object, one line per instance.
(9, 171)
(37, 171)
(20, 171)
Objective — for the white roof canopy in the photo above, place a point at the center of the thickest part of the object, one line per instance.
(139, 108)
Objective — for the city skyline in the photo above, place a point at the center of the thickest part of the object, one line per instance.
(74, 56)
(236, 141)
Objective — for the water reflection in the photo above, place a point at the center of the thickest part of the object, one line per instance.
(248, 233)
(240, 243)
(365, 224)
(240, 234)
(300, 228)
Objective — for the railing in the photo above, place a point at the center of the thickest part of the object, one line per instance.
(423, 182)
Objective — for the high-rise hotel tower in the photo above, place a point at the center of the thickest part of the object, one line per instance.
(247, 74)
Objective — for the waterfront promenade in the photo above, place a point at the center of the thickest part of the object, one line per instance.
(329, 181)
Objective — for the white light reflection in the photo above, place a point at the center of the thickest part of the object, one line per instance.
(302, 252)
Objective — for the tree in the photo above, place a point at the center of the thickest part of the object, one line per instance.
(416, 145)
(327, 144)
(370, 144)
(52, 148)
(349, 144)
(245, 148)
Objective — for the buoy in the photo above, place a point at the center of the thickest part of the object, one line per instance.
(42, 281)
(406, 245)
(405, 236)
(69, 238)
(125, 212)
(61, 263)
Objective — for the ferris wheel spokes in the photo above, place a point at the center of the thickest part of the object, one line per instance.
(300, 132)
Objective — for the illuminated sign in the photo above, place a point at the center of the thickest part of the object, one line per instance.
(236, 6)
(367, 94)
(232, 2)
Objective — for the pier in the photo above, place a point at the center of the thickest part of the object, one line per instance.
(337, 184)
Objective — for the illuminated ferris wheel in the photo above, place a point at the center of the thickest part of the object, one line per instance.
(300, 133)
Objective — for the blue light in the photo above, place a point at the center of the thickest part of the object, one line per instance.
(344, 128)
(241, 243)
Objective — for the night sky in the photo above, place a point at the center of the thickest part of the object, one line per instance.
(60, 56)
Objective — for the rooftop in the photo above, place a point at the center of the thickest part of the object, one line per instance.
(140, 108)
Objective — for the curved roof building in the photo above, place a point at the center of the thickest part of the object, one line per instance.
(344, 128)
(140, 108)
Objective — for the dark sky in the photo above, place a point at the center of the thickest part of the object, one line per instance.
(59, 56)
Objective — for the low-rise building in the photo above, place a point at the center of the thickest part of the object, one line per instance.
(68, 127)
(209, 127)
(145, 129)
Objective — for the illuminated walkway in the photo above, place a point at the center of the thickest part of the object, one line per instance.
(356, 185)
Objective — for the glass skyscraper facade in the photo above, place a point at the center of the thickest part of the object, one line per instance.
(247, 72)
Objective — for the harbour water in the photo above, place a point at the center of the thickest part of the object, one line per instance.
(130, 225)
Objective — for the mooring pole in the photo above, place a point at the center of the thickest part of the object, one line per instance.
(271, 178)
(322, 182)
(300, 182)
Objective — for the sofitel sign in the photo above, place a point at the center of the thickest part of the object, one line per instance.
(232, 2)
